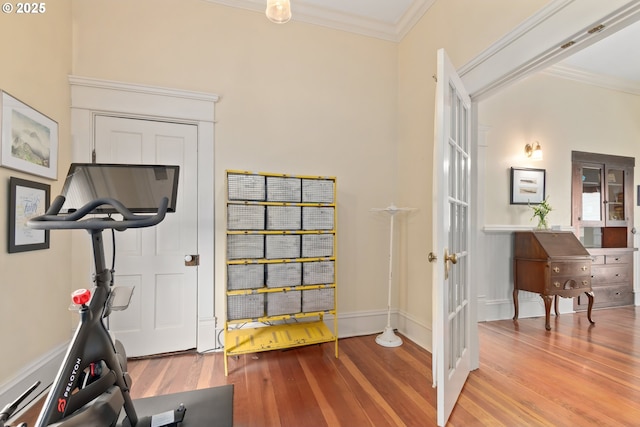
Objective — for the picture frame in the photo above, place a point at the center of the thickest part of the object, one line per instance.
(527, 186)
(28, 139)
(26, 200)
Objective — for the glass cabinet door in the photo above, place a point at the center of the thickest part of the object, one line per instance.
(615, 202)
(592, 195)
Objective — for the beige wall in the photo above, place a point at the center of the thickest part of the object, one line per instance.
(464, 28)
(563, 115)
(34, 286)
(298, 98)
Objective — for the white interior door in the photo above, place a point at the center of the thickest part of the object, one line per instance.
(452, 319)
(162, 316)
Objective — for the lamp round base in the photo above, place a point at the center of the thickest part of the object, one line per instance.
(388, 338)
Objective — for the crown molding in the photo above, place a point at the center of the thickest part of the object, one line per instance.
(583, 76)
(541, 41)
(332, 18)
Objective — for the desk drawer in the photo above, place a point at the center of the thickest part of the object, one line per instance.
(558, 284)
(573, 268)
(610, 274)
(618, 259)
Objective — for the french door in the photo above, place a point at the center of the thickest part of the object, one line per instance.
(452, 318)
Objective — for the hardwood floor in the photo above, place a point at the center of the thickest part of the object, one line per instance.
(573, 375)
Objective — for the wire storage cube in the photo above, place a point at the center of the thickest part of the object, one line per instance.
(317, 245)
(317, 218)
(245, 217)
(246, 187)
(284, 218)
(245, 246)
(322, 299)
(318, 272)
(318, 191)
(282, 246)
(245, 276)
(282, 275)
(249, 306)
(279, 303)
(284, 189)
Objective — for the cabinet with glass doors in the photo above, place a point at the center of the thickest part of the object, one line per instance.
(602, 217)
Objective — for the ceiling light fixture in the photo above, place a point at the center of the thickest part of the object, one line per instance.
(534, 151)
(278, 11)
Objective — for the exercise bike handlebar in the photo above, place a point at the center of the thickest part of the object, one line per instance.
(52, 220)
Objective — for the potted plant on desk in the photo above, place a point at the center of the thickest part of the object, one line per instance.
(541, 211)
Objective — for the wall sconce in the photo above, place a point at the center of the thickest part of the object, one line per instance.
(534, 151)
(278, 11)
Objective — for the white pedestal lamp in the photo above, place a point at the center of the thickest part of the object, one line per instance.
(388, 338)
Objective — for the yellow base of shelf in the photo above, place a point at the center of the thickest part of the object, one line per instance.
(253, 340)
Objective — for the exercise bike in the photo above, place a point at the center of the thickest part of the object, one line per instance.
(92, 385)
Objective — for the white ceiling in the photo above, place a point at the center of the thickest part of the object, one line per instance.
(612, 62)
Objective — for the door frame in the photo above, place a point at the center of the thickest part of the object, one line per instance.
(529, 48)
(91, 97)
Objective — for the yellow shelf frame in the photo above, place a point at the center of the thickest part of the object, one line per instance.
(305, 331)
(253, 340)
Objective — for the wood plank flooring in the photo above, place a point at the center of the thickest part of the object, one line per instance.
(573, 375)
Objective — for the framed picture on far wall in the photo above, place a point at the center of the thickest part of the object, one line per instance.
(527, 186)
(28, 139)
(27, 199)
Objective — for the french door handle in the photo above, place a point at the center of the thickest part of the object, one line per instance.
(453, 259)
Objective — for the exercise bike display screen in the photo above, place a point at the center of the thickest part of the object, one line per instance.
(138, 187)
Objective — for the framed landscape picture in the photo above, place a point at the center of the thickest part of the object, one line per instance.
(28, 139)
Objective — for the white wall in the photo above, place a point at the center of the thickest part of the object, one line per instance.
(563, 115)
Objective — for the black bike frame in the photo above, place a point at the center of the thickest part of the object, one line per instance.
(91, 343)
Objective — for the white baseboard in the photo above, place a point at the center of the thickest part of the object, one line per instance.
(43, 369)
(373, 322)
(504, 309)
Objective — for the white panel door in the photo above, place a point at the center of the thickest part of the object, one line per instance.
(451, 317)
(162, 316)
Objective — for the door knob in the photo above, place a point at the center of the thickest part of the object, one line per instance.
(191, 260)
(432, 257)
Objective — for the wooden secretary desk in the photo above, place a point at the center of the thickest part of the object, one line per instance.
(553, 264)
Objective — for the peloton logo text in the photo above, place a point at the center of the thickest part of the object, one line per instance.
(62, 403)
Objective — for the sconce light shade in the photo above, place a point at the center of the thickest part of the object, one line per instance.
(278, 11)
(534, 151)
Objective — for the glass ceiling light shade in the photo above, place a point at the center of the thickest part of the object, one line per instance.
(278, 11)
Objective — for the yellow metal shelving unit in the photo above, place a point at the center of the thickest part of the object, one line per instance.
(281, 262)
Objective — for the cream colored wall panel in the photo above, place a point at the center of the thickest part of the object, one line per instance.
(36, 58)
